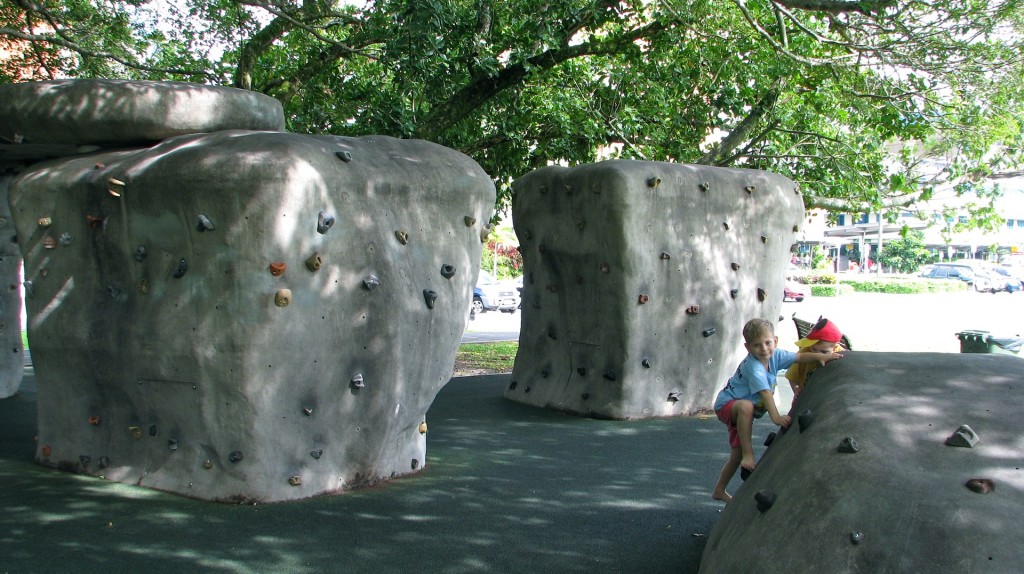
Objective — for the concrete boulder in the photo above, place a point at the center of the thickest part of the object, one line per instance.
(639, 277)
(247, 315)
(905, 497)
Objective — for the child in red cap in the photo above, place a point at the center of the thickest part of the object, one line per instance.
(824, 337)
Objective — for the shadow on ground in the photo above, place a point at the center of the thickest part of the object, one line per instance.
(507, 488)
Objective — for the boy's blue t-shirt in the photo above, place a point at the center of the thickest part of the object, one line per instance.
(751, 378)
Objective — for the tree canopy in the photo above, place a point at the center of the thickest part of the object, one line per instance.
(868, 104)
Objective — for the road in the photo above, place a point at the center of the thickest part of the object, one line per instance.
(873, 321)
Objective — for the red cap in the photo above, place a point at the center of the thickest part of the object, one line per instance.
(823, 330)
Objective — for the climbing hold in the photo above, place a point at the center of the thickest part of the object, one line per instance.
(423, 427)
(65, 239)
(765, 499)
(45, 221)
(49, 242)
(552, 287)
(665, 256)
(324, 222)
(544, 374)
(805, 419)
(693, 310)
(568, 189)
(646, 363)
(207, 464)
(113, 290)
(709, 332)
(357, 381)
(430, 296)
(172, 444)
(513, 386)
(415, 464)
(725, 224)
(963, 436)
(370, 281)
(578, 280)
(552, 334)
(295, 480)
(115, 187)
(761, 294)
(848, 445)
(283, 297)
(749, 189)
(46, 451)
(235, 456)
(203, 224)
(84, 459)
(345, 156)
(735, 266)
(447, 271)
(152, 430)
(277, 268)
(541, 248)
(585, 396)
(314, 262)
(653, 182)
(95, 221)
(136, 432)
(704, 185)
(764, 239)
(605, 268)
(470, 221)
(673, 396)
(609, 374)
(796, 228)
(642, 299)
(981, 485)
(94, 420)
(316, 453)
(582, 371)
(143, 286)
(402, 236)
(181, 270)
(768, 440)
(734, 292)
(856, 537)
(307, 411)
(140, 253)
(580, 225)
(104, 462)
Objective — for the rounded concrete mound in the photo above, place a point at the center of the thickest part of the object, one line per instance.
(896, 462)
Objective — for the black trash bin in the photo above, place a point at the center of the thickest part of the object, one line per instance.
(984, 342)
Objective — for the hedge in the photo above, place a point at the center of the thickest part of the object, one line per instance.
(831, 290)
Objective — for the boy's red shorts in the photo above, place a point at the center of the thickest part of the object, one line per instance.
(725, 415)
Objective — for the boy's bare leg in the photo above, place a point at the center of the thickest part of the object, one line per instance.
(743, 414)
(729, 469)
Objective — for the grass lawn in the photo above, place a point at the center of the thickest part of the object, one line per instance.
(485, 358)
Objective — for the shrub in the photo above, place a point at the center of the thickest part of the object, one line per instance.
(830, 290)
(818, 279)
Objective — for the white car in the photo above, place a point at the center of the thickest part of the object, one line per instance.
(490, 294)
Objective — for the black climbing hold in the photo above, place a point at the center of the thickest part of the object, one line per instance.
(582, 371)
(324, 222)
(235, 456)
(765, 499)
(761, 294)
(749, 189)
(544, 374)
(768, 440)
(172, 444)
(704, 185)
(84, 459)
(551, 333)
(805, 419)
(856, 537)
(415, 464)
(734, 292)
(964, 436)
(402, 236)
(140, 253)
(447, 271)
(513, 385)
(104, 462)
(585, 396)
(469, 221)
(646, 363)
(735, 266)
(370, 281)
(609, 374)
(357, 381)
(181, 270)
(430, 296)
(653, 182)
(981, 485)
(745, 473)
(673, 397)
(316, 453)
(203, 223)
(848, 445)
(152, 430)
(345, 156)
(709, 332)
(665, 256)
(113, 290)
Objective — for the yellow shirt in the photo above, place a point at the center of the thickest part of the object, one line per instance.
(797, 372)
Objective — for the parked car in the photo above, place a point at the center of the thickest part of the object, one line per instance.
(490, 295)
(1013, 282)
(793, 290)
(963, 272)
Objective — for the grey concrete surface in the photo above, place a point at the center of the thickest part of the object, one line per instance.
(639, 277)
(901, 503)
(506, 488)
(11, 351)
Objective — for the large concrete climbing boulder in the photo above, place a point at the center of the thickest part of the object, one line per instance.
(639, 277)
(247, 315)
(12, 359)
(898, 462)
